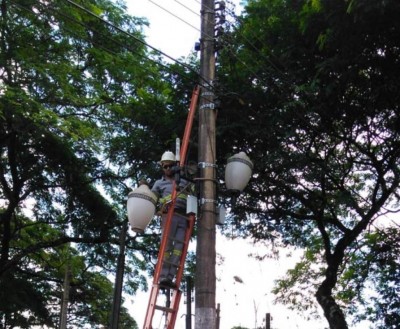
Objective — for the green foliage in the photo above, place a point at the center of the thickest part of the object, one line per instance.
(34, 286)
(312, 93)
(376, 264)
(80, 107)
(296, 289)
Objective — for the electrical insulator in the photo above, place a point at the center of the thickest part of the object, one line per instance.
(222, 19)
(219, 31)
(221, 5)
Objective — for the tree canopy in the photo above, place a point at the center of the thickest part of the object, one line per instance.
(310, 90)
(85, 110)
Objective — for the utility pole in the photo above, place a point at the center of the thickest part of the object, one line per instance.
(65, 297)
(268, 321)
(205, 287)
(188, 302)
(218, 316)
(119, 278)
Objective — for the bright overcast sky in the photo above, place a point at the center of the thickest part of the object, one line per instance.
(174, 24)
(174, 29)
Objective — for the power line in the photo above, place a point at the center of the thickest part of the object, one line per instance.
(171, 13)
(137, 39)
(196, 82)
(128, 34)
(143, 42)
(181, 19)
(100, 45)
(209, 36)
(189, 9)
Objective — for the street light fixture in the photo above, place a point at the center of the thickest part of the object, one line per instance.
(142, 201)
(141, 206)
(237, 173)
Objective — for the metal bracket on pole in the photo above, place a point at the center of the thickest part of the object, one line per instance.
(207, 93)
(203, 201)
(210, 106)
(207, 164)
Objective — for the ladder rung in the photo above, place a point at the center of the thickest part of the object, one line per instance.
(165, 309)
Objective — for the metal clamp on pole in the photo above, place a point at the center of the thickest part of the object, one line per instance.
(206, 164)
(207, 93)
(203, 201)
(210, 106)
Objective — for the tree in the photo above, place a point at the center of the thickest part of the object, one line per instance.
(378, 266)
(312, 86)
(34, 285)
(75, 80)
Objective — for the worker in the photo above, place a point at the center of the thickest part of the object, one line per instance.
(179, 222)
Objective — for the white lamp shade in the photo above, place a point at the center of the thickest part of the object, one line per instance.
(238, 172)
(141, 208)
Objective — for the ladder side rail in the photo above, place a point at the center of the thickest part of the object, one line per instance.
(151, 307)
(188, 235)
(165, 236)
(155, 288)
(171, 318)
(189, 124)
(185, 143)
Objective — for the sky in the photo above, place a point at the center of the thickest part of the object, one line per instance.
(243, 290)
(174, 29)
(174, 24)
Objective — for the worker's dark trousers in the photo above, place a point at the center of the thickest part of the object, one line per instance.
(173, 250)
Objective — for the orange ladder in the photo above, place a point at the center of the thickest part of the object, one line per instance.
(171, 310)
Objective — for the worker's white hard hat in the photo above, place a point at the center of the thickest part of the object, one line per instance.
(168, 156)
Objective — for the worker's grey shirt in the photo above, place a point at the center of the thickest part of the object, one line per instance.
(163, 188)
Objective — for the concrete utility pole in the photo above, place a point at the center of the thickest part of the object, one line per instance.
(205, 287)
(188, 302)
(119, 278)
(268, 321)
(65, 297)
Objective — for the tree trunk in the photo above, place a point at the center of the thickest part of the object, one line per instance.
(5, 227)
(332, 310)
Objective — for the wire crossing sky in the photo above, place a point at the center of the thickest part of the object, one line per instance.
(174, 24)
(174, 28)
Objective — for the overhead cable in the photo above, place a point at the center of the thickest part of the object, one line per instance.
(100, 45)
(139, 40)
(171, 13)
(192, 11)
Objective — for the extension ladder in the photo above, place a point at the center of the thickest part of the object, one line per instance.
(171, 310)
